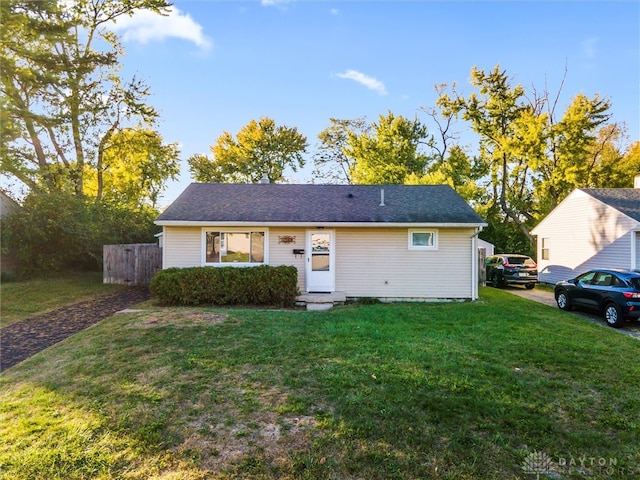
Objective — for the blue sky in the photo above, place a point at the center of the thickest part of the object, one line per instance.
(213, 66)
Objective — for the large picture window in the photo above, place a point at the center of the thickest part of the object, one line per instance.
(423, 239)
(234, 247)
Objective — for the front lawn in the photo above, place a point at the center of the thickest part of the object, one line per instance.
(499, 388)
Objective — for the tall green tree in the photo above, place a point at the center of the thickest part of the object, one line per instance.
(61, 94)
(575, 153)
(389, 151)
(332, 163)
(134, 168)
(532, 160)
(260, 148)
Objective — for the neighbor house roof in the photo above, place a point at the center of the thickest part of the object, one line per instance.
(228, 203)
(625, 200)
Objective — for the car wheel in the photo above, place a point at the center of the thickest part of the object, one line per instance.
(530, 285)
(613, 315)
(563, 301)
(495, 281)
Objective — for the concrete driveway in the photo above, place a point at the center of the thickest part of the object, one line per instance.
(544, 296)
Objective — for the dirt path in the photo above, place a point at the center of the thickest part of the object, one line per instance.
(23, 339)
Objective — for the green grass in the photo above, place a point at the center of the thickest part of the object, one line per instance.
(406, 391)
(19, 300)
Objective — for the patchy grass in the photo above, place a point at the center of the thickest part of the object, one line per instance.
(452, 391)
(19, 300)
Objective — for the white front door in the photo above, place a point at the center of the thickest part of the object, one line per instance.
(320, 271)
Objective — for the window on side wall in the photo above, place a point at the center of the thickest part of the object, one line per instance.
(234, 248)
(421, 239)
(544, 249)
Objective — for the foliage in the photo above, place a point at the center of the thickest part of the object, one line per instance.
(403, 391)
(60, 91)
(260, 148)
(61, 231)
(134, 168)
(332, 163)
(533, 161)
(261, 285)
(388, 152)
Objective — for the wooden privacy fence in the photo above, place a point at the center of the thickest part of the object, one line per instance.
(131, 264)
(482, 270)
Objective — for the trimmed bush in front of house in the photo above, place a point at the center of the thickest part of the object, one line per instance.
(262, 285)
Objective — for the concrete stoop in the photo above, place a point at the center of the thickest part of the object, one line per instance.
(320, 301)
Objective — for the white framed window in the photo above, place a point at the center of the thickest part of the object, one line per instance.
(423, 239)
(234, 247)
(544, 248)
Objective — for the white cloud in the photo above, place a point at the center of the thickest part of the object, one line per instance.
(369, 82)
(145, 26)
(271, 3)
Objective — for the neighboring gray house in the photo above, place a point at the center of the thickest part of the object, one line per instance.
(591, 228)
(393, 242)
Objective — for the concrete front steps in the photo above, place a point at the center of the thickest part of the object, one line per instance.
(320, 301)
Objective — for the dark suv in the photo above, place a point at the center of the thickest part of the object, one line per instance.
(508, 268)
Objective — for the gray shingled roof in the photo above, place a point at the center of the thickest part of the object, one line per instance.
(625, 200)
(277, 203)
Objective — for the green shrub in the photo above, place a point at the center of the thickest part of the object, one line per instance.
(261, 285)
(55, 232)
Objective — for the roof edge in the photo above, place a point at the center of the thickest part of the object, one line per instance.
(181, 223)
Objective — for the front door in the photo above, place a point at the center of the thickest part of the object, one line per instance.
(320, 271)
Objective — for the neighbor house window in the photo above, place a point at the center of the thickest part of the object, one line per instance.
(544, 254)
(423, 239)
(234, 247)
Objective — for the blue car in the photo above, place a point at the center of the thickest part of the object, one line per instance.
(614, 294)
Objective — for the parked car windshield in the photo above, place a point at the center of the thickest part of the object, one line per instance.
(635, 283)
(520, 261)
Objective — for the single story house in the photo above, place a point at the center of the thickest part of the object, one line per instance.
(591, 228)
(392, 242)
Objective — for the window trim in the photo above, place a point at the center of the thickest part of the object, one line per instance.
(432, 231)
(545, 249)
(205, 230)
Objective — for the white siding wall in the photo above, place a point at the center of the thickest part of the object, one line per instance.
(182, 247)
(584, 233)
(376, 262)
(282, 253)
(370, 262)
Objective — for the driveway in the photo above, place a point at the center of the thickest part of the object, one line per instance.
(22, 339)
(544, 296)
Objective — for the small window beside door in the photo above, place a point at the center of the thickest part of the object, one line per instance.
(423, 239)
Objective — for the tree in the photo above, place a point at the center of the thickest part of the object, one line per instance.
(134, 168)
(387, 152)
(574, 150)
(332, 164)
(456, 169)
(61, 95)
(261, 148)
(532, 161)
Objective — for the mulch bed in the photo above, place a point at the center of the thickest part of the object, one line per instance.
(23, 339)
